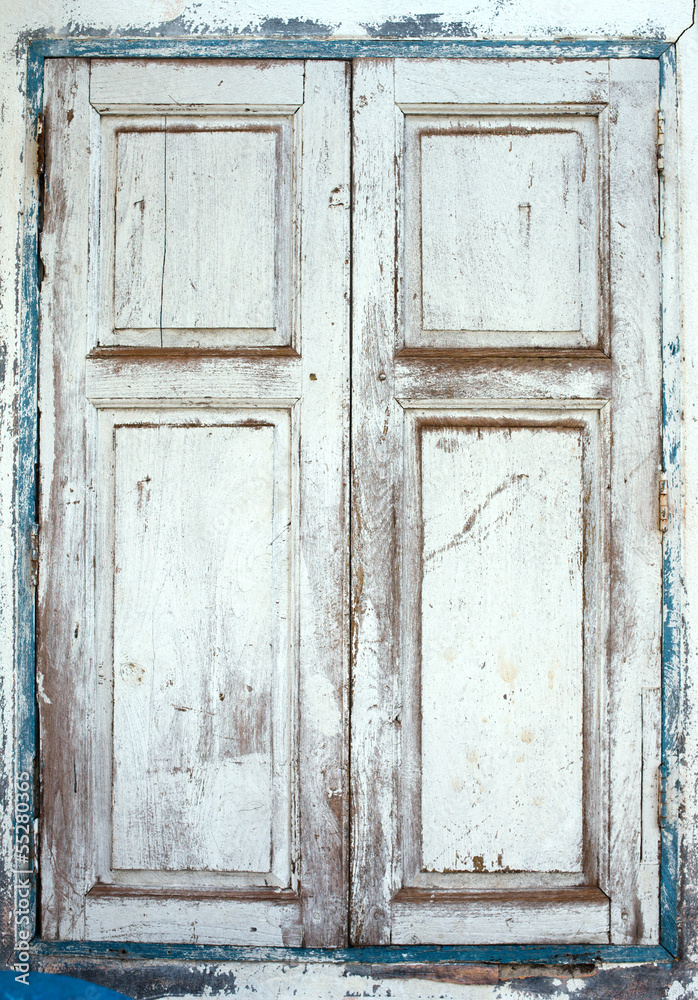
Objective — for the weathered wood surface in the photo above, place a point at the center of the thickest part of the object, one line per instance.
(649, 872)
(192, 375)
(636, 419)
(478, 374)
(500, 234)
(174, 82)
(198, 225)
(448, 384)
(399, 787)
(202, 244)
(502, 240)
(324, 507)
(375, 502)
(197, 514)
(561, 916)
(457, 591)
(64, 665)
(194, 921)
(490, 256)
(493, 83)
(501, 648)
(139, 213)
(219, 535)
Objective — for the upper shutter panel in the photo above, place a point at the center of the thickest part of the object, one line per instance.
(199, 216)
(506, 302)
(194, 425)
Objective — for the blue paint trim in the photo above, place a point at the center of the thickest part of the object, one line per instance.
(26, 500)
(500, 954)
(672, 623)
(341, 48)
(27, 456)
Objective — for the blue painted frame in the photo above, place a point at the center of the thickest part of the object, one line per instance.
(672, 631)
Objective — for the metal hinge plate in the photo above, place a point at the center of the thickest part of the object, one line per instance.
(663, 777)
(34, 555)
(41, 186)
(41, 145)
(663, 503)
(660, 141)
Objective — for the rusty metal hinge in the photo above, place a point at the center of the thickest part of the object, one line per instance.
(41, 145)
(660, 171)
(663, 502)
(41, 186)
(34, 555)
(663, 779)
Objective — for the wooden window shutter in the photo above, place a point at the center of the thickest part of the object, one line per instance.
(194, 423)
(506, 552)
(202, 780)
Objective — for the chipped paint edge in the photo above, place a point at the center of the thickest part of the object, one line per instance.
(25, 485)
(436, 954)
(345, 48)
(672, 628)
(672, 590)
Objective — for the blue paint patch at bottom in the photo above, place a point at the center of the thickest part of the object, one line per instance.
(46, 986)
(381, 955)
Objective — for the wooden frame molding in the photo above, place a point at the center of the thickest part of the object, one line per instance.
(589, 379)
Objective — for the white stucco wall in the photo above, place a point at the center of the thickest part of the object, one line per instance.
(505, 19)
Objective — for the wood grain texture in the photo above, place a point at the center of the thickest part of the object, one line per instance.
(502, 654)
(636, 541)
(221, 219)
(174, 439)
(139, 228)
(192, 375)
(324, 513)
(440, 622)
(64, 666)
(206, 613)
(197, 921)
(451, 374)
(308, 377)
(480, 82)
(196, 229)
(197, 232)
(650, 871)
(196, 622)
(379, 616)
(502, 240)
(175, 82)
(452, 378)
(500, 231)
(574, 915)
(375, 554)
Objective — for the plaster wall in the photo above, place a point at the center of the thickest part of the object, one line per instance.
(21, 20)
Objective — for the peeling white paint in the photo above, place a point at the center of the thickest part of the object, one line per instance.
(483, 19)
(540, 19)
(40, 689)
(679, 992)
(687, 52)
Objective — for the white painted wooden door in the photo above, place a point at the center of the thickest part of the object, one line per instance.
(193, 614)
(193, 599)
(506, 551)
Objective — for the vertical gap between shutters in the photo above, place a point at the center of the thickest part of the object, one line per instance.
(350, 481)
(164, 238)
